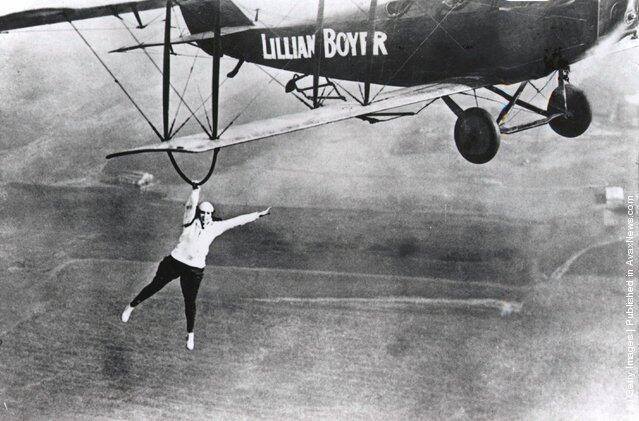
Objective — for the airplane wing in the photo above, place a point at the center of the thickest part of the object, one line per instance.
(186, 39)
(263, 129)
(51, 15)
(230, 16)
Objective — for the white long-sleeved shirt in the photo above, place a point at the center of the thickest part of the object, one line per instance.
(195, 240)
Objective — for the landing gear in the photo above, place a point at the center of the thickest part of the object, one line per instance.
(575, 108)
(476, 135)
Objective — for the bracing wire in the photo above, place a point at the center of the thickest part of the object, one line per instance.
(259, 93)
(171, 85)
(439, 24)
(186, 85)
(115, 79)
(283, 85)
(539, 92)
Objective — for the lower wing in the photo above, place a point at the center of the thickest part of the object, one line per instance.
(263, 129)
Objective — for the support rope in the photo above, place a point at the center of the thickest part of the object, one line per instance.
(213, 162)
(179, 170)
(186, 178)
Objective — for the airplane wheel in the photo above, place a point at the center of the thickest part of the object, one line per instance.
(477, 135)
(577, 119)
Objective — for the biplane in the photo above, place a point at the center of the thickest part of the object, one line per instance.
(425, 50)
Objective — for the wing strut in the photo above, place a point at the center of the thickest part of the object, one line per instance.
(215, 84)
(136, 13)
(369, 50)
(173, 88)
(166, 86)
(319, 52)
(166, 70)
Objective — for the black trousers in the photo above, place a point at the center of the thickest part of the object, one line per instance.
(190, 278)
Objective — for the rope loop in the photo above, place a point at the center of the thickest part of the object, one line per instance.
(186, 178)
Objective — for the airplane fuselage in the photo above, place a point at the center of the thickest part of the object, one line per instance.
(432, 41)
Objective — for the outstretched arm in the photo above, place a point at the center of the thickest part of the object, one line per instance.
(190, 206)
(227, 224)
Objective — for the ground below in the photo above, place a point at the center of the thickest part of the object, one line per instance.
(305, 314)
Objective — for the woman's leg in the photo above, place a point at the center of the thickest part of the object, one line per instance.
(168, 270)
(190, 284)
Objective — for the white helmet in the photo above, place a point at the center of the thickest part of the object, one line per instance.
(206, 207)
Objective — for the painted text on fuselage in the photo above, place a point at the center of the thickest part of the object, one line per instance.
(335, 44)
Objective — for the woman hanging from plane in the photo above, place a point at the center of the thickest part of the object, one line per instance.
(188, 258)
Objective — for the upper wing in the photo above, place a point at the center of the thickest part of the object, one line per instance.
(263, 129)
(46, 16)
(198, 10)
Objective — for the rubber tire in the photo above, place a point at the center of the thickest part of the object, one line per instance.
(477, 135)
(579, 115)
